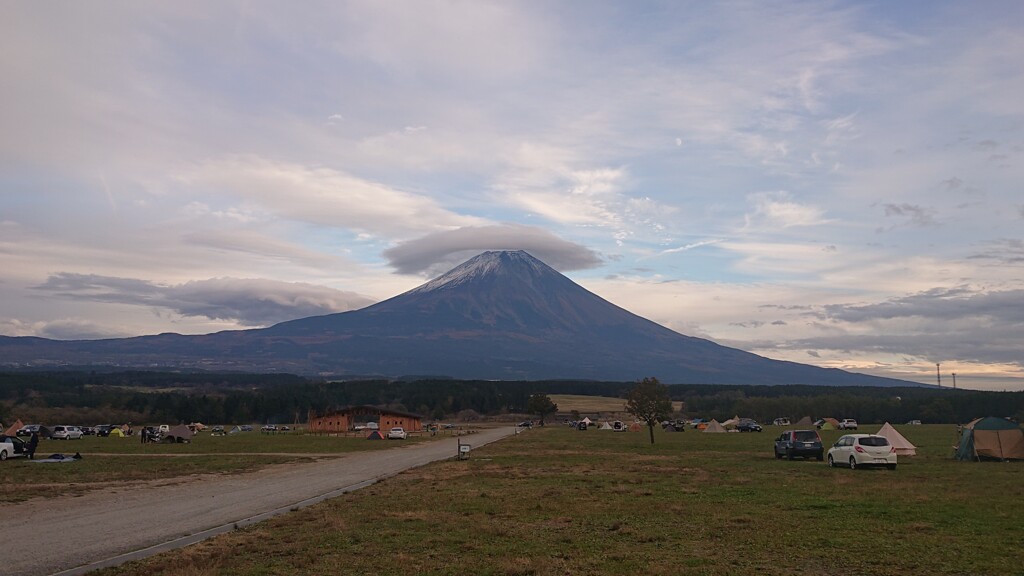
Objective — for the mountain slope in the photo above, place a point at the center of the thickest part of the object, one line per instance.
(500, 315)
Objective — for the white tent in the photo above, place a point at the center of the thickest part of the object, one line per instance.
(714, 427)
(731, 422)
(606, 426)
(902, 445)
(587, 421)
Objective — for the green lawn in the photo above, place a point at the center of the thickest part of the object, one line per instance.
(558, 501)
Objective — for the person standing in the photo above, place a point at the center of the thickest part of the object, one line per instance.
(33, 442)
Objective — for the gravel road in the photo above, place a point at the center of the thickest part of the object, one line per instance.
(75, 534)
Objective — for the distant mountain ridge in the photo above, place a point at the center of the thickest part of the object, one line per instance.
(501, 315)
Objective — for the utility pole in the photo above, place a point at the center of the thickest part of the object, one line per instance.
(938, 375)
(954, 380)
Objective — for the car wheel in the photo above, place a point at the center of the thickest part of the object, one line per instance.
(853, 463)
(831, 462)
(777, 455)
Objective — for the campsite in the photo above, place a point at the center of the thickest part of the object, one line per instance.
(552, 500)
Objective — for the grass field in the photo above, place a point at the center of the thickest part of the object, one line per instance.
(558, 501)
(592, 404)
(108, 462)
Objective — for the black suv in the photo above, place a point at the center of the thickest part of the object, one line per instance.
(802, 443)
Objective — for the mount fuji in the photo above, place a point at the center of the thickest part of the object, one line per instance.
(502, 315)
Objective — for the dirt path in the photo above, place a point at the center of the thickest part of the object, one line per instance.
(64, 533)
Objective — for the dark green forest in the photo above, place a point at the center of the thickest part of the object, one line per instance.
(138, 396)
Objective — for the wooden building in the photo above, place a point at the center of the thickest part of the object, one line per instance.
(346, 419)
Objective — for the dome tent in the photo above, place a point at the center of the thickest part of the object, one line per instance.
(991, 438)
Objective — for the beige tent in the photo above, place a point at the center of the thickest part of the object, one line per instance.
(902, 445)
(13, 430)
(731, 422)
(804, 422)
(606, 426)
(714, 427)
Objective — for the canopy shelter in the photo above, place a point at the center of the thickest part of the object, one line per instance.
(13, 430)
(896, 440)
(179, 434)
(991, 438)
(714, 427)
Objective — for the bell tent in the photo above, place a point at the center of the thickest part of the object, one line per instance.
(804, 422)
(896, 440)
(13, 430)
(991, 438)
(714, 427)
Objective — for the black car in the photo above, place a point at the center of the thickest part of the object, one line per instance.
(748, 426)
(799, 443)
(27, 430)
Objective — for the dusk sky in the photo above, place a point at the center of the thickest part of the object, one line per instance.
(833, 183)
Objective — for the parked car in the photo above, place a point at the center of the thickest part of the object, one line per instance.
(88, 430)
(914, 422)
(525, 424)
(27, 430)
(781, 422)
(217, 431)
(860, 450)
(748, 426)
(65, 432)
(103, 429)
(246, 428)
(11, 447)
(581, 425)
(397, 433)
(799, 443)
(847, 424)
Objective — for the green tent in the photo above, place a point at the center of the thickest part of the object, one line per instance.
(991, 438)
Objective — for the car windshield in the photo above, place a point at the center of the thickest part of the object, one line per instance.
(805, 436)
(874, 441)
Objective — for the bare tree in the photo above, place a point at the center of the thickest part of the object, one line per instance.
(649, 402)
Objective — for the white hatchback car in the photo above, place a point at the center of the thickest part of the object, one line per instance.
(859, 450)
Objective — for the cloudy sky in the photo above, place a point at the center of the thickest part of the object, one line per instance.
(833, 183)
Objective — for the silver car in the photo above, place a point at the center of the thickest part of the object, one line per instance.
(67, 433)
(861, 450)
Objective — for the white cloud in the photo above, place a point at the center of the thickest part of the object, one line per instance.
(324, 196)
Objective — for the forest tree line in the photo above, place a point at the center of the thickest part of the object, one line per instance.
(89, 398)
